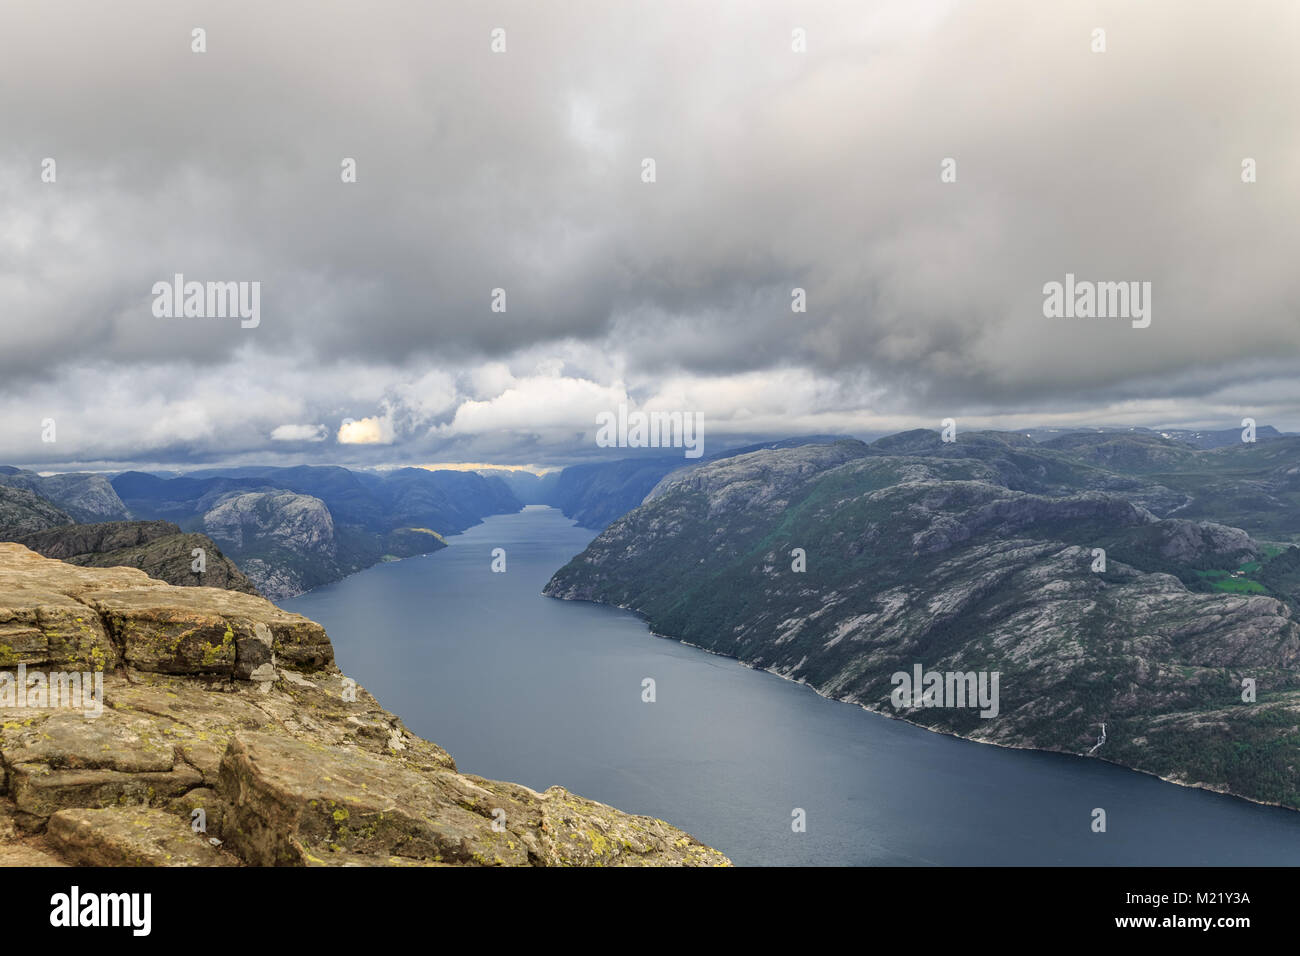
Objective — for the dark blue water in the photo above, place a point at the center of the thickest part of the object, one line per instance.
(522, 687)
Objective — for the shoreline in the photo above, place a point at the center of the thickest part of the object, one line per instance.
(880, 712)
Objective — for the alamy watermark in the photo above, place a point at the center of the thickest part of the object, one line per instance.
(949, 689)
(208, 300)
(70, 690)
(1084, 299)
(626, 429)
(75, 908)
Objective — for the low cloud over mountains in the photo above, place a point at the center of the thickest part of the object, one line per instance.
(522, 171)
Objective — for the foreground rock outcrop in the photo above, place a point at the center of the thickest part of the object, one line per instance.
(212, 728)
(158, 548)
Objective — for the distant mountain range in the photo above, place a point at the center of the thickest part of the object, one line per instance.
(594, 495)
(841, 565)
(1203, 440)
(288, 529)
(293, 529)
(81, 497)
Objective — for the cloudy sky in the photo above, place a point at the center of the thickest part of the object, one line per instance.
(522, 170)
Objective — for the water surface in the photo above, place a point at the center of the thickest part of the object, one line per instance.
(522, 687)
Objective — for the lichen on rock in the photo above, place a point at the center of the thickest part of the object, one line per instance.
(224, 719)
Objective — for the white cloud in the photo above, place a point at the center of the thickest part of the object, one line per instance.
(299, 433)
(432, 394)
(367, 431)
(537, 403)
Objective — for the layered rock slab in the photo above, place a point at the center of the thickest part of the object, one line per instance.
(224, 718)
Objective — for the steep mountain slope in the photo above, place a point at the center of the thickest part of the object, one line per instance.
(293, 529)
(284, 542)
(978, 556)
(594, 495)
(84, 497)
(22, 512)
(450, 501)
(529, 488)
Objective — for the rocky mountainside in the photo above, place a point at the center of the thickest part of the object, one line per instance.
(448, 501)
(83, 497)
(1197, 438)
(289, 529)
(841, 565)
(219, 709)
(293, 529)
(285, 542)
(158, 548)
(22, 512)
(295, 521)
(376, 502)
(288, 543)
(529, 488)
(596, 494)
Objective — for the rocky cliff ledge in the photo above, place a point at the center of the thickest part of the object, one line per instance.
(220, 702)
(158, 548)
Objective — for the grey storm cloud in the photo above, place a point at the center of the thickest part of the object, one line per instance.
(522, 170)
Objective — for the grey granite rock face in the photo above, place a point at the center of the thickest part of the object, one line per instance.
(275, 536)
(24, 512)
(84, 497)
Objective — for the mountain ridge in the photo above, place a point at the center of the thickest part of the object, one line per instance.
(980, 557)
